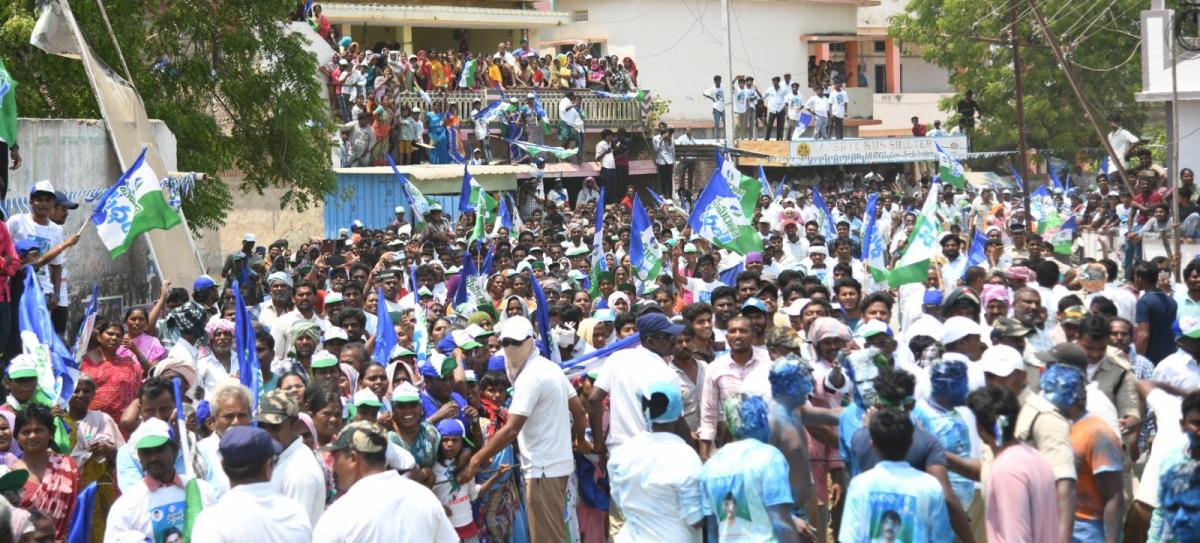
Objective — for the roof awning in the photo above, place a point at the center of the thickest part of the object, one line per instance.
(442, 16)
(447, 178)
(865, 33)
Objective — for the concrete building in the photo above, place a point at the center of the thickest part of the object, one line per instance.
(1160, 49)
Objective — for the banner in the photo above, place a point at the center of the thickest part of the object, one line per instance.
(872, 151)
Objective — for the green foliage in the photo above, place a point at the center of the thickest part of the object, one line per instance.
(239, 92)
(969, 37)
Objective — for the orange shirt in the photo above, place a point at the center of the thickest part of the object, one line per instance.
(1097, 450)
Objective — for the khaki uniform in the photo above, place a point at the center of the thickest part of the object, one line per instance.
(1115, 379)
(1041, 424)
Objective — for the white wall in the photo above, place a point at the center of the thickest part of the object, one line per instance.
(1189, 129)
(678, 51)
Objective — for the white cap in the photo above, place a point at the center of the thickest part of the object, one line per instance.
(1002, 361)
(474, 330)
(794, 309)
(150, 433)
(517, 327)
(249, 238)
(956, 328)
(366, 397)
(461, 336)
(405, 230)
(343, 231)
(336, 332)
(334, 298)
(43, 186)
(399, 209)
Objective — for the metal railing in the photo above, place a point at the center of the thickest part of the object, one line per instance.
(598, 112)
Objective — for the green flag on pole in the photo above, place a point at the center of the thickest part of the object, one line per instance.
(950, 170)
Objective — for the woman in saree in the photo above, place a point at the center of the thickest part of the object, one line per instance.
(145, 347)
(95, 439)
(435, 121)
(116, 373)
(409, 430)
(53, 478)
(499, 508)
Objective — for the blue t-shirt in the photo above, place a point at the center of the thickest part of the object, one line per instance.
(925, 451)
(431, 406)
(1157, 309)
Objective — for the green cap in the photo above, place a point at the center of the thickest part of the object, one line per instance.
(150, 434)
(406, 393)
(365, 397)
(324, 359)
(13, 480)
(470, 345)
(22, 367)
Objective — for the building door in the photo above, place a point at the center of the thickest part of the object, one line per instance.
(880, 79)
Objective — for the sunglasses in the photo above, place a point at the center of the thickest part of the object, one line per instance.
(506, 342)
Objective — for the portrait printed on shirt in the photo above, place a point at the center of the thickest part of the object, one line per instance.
(166, 520)
(891, 517)
(733, 513)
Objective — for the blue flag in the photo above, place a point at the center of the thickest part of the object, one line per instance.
(1054, 179)
(542, 319)
(827, 227)
(657, 199)
(590, 361)
(506, 218)
(729, 277)
(537, 107)
(718, 216)
(452, 139)
(86, 327)
(1017, 177)
(1104, 164)
(977, 255)
(469, 273)
(249, 372)
(308, 7)
(766, 185)
(408, 199)
(57, 369)
(81, 519)
(464, 195)
(639, 223)
(869, 230)
(385, 332)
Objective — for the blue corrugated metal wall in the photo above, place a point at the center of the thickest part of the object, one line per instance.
(372, 199)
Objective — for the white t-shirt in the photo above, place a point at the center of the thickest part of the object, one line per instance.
(741, 98)
(1170, 438)
(656, 482)
(776, 99)
(839, 100)
(718, 96)
(795, 104)
(46, 236)
(456, 498)
(624, 375)
(139, 514)
(298, 476)
(541, 393)
(386, 508)
(702, 290)
(818, 104)
(568, 114)
(608, 161)
(253, 512)
(1120, 140)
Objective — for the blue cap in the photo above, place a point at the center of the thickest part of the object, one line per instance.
(496, 363)
(754, 303)
(451, 428)
(25, 245)
(933, 296)
(60, 198)
(673, 397)
(657, 323)
(427, 370)
(203, 282)
(243, 446)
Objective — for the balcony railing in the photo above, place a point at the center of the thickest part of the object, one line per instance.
(598, 112)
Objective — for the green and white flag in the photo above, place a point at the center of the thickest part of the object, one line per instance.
(8, 107)
(746, 188)
(913, 266)
(950, 170)
(132, 206)
(644, 251)
(718, 217)
(541, 150)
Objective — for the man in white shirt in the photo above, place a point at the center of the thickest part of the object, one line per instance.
(818, 105)
(297, 474)
(655, 476)
(153, 507)
(378, 505)
(795, 105)
(544, 405)
(664, 158)
(252, 510)
(613, 192)
(1122, 142)
(304, 297)
(717, 94)
(570, 124)
(190, 319)
(37, 227)
(838, 101)
(776, 99)
(937, 131)
(230, 403)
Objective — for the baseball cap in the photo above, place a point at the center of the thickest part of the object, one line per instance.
(690, 248)
(249, 238)
(1072, 315)
(151, 433)
(754, 303)
(247, 446)
(795, 308)
(956, 328)
(406, 393)
(203, 282)
(1008, 327)
(276, 407)
(657, 323)
(334, 298)
(517, 327)
(1188, 327)
(1065, 353)
(60, 198)
(1001, 361)
(22, 366)
(367, 398)
(323, 359)
(451, 428)
(13, 480)
(656, 394)
(361, 436)
(399, 351)
(873, 327)
(399, 209)
(42, 186)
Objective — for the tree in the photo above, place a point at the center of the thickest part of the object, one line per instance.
(237, 90)
(970, 39)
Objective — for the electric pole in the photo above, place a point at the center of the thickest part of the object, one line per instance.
(1022, 148)
(729, 123)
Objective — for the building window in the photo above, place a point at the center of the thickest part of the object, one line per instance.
(880, 46)
(579, 15)
(839, 47)
(880, 78)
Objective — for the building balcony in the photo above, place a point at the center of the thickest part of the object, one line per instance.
(599, 113)
(479, 14)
